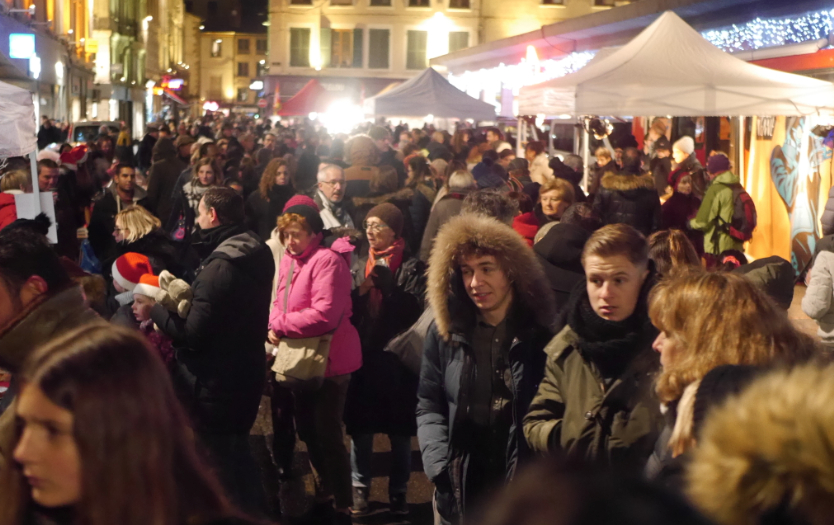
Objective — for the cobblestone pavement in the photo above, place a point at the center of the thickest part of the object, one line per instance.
(419, 488)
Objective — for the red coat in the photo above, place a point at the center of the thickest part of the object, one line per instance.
(8, 210)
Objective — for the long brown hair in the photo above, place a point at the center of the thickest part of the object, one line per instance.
(672, 251)
(719, 319)
(207, 161)
(138, 462)
(268, 178)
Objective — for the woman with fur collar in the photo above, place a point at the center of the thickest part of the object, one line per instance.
(629, 197)
(596, 402)
(482, 360)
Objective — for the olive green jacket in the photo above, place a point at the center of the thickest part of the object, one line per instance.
(573, 412)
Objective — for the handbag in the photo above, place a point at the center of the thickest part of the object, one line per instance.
(301, 363)
(408, 346)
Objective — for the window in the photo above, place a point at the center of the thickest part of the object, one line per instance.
(261, 46)
(380, 3)
(215, 87)
(217, 48)
(378, 48)
(458, 40)
(458, 4)
(243, 46)
(416, 50)
(608, 3)
(243, 69)
(553, 2)
(301, 2)
(299, 47)
(341, 48)
(242, 94)
(262, 69)
(418, 3)
(341, 2)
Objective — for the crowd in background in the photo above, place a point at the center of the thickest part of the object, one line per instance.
(613, 346)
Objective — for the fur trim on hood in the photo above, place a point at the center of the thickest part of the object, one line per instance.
(405, 194)
(768, 454)
(362, 151)
(530, 285)
(617, 182)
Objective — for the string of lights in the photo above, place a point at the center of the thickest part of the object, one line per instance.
(756, 34)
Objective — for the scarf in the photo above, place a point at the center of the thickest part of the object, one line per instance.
(206, 241)
(393, 256)
(610, 345)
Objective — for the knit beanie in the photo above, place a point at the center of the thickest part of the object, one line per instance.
(301, 200)
(390, 215)
(148, 285)
(129, 268)
(685, 144)
(310, 214)
(718, 163)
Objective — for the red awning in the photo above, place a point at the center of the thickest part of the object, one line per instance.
(173, 96)
(312, 98)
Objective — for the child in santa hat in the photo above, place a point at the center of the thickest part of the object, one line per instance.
(143, 300)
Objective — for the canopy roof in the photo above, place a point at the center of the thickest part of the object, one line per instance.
(312, 98)
(670, 69)
(17, 120)
(428, 93)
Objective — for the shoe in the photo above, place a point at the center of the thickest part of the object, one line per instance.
(341, 518)
(398, 505)
(360, 501)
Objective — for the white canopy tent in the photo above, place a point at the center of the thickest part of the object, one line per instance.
(17, 120)
(670, 69)
(428, 93)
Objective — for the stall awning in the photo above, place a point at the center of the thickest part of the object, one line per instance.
(176, 98)
(17, 120)
(670, 69)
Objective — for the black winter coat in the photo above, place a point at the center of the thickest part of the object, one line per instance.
(162, 178)
(560, 254)
(219, 369)
(629, 199)
(103, 221)
(160, 250)
(144, 154)
(382, 396)
(261, 214)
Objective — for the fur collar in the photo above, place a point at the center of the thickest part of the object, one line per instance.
(616, 182)
(405, 194)
(531, 287)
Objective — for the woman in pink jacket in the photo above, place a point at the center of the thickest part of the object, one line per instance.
(318, 303)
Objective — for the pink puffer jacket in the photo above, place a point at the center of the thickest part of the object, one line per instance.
(318, 301)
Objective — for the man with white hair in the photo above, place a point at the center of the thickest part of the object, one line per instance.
(330, 195)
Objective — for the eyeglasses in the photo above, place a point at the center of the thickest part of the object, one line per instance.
(375, 227)
(334, 182)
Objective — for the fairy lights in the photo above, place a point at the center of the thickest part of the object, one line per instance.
(756, 34)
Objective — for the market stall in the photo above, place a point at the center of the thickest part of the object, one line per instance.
(671, 70)
(428, 94)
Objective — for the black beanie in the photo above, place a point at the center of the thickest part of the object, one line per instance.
(719, 384)
(310, 215)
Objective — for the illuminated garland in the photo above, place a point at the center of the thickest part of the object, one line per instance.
(756, 34)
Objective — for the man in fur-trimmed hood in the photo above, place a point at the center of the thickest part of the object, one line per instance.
(629, 197)
(483, 358)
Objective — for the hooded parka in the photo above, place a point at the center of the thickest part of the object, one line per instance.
(631, 199)
(449, 371)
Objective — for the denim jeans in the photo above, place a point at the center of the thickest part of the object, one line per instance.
(362, 451)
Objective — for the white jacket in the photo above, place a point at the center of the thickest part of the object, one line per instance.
(817, 303)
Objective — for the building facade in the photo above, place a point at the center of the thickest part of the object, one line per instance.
(231, 64)
(361, 46)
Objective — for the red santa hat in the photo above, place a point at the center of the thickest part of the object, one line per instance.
(74, 157)
(129, 269)
(148, 285)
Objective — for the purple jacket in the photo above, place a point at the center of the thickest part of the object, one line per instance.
(319, 302)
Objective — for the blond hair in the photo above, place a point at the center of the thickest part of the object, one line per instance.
(720, 319)
(562, 187)
(137, 222)
(618, 239)
(603, 152)
(14, 180)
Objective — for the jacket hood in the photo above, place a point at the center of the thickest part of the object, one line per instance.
(164, 149)
(765, 456)
(562, 247)
(619, 182)
(445, 291)
(405, 194)
(728, 177)
(361, 151)
(773, 275)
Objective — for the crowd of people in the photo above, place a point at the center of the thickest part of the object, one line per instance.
(564, 356)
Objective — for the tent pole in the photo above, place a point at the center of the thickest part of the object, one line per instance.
(33, 162)
(586, 157)
(522, 133)
(740, 150)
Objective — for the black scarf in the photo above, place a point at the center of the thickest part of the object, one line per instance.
(610, 345)
(206, 241)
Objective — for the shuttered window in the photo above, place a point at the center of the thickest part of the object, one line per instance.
(379, 47)
(416, 50)
(299, 47)
(458, 40)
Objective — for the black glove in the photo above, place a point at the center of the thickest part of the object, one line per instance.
(383, 279)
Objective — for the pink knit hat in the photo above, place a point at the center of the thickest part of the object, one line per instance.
(129, 269)
(301, 200)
